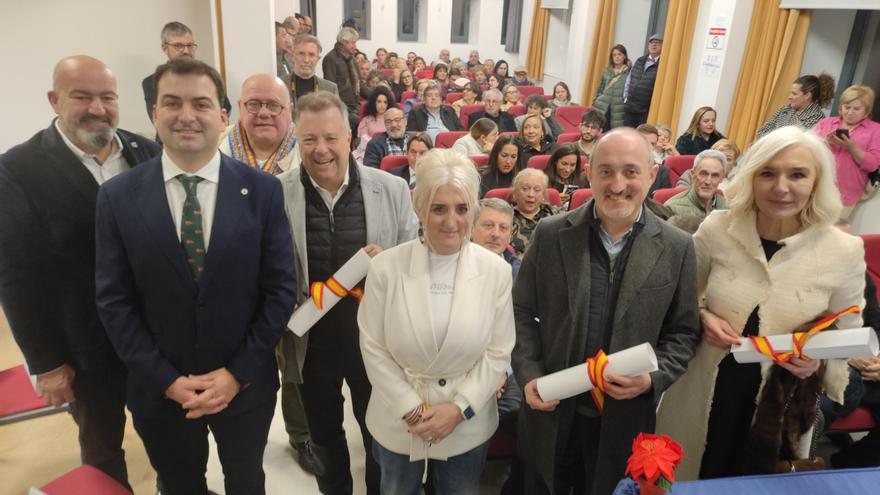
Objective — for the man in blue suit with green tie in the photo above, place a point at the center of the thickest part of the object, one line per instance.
(195, 285)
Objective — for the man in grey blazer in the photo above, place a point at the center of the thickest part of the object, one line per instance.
(609, 275)
(336, 207)
(303, 81)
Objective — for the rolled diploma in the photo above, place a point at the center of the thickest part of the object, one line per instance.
(573, 381)
(350, 274)
(829, 344)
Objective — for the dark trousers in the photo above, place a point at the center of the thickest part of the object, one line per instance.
(866, 451)
(178, 449)
(294, 414)
(576, 467)
(333, 356)
(634, 119)
(99, 412)
(730, 419)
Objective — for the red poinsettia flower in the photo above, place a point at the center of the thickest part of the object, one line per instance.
(654, 458)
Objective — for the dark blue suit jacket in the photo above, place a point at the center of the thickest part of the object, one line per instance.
(164, 325)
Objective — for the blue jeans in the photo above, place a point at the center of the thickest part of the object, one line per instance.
(458, 475)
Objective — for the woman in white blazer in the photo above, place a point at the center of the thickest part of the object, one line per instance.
(769, 265)
(436, 330)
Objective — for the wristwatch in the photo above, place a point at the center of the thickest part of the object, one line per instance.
(466, 410)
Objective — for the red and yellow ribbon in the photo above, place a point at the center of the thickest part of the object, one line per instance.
(317, 290)
(799, 339)
(596, 374)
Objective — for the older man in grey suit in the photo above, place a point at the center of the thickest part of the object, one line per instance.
(336, 207)
(609, 275)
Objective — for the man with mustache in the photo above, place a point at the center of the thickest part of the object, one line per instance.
(47, 254)
(392, 142)
(306, 53)
(607, 276)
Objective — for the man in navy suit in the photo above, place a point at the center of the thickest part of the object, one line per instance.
(195, 285)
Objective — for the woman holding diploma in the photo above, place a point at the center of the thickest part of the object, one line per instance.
(771, 264)
(437, 330)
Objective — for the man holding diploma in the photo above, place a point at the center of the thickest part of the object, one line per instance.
(608, 276)
(336, 208)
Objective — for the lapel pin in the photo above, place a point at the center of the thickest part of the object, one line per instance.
(244, 191)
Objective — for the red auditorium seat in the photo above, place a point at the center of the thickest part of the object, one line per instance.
(466, 112)
(407, 95)
(858, 420)
(509, 133)
(447, 139)
(527, 91)
(388, 74)
(517, 110)
(426, 73)
(568, 137)
(362, 109)
(872, 257)
(84, 480)
(579, 197)
(570, 117)
(662, 195)
(18, 401)
(678, 165)
(390, 162)
(452, 97)
(480, 161)
(538, 161)
(505, 193)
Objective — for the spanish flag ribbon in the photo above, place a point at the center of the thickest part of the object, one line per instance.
(799, 339)
(333, 285)
(596, 374)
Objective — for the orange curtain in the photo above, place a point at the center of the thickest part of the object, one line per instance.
(538, 42)
(674, 61)
(772, 60)
(603, 40)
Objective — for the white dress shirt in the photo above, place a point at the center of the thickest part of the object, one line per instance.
(330, 199)
(114, 165)
(206, 191)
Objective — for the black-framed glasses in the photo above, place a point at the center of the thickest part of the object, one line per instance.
(181, 46)
(254, 106)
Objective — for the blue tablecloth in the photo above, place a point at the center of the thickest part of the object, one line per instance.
(830, 482)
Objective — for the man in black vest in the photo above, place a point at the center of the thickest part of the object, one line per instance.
(335, 208)
(639, 87)
(47, 254)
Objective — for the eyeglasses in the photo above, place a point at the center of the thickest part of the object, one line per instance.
(254, 106)
(181, 47)
(396, 121)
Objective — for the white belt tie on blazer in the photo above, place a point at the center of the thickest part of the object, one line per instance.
(420, 383)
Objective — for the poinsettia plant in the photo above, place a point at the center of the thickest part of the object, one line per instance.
(654, 460)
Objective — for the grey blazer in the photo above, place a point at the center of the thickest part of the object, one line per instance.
(657, 303)
(390, 220)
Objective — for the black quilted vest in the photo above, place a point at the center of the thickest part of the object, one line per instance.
(641, 86)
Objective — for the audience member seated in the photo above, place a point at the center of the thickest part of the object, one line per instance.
(662, 180)
(340, 67)
(561, 96)
(564, 171)
(379, 61)
(392, 61)
(415, 150)
(473, 59)
(701, 134)
(264, 136)
(855, 143)
(373, 121)
(529, 206)
(419, 100)
(532, 139)
(664, 147)
(479, 140)
(441, 75)
(433, 117)
(809, 95)
(283, 44)
(392, 142)
(609, 94)
(306, 54)
(503, 165)
(419, 64)
(502, 70)
(731, 152)
(701, 198)
(471, 94)
(411, 58)
(493, 112)
(404, 82)
(537, 105)
(365, 70)
(521, 76)
(489, 65)
(592, 123)
(494, 82)
(511, 97)
(734, 418)
(479, 75)
(443, 58)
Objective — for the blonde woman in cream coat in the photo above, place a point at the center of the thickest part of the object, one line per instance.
(784, 198)
(436, 331)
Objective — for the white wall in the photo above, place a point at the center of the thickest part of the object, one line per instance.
(631, 26)
(123, 34)
(827, 41)
(568, 46)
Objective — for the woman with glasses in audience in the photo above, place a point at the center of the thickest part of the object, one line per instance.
(609, 94)
(512, 97)
(855, 143)
(564, 171)
(503, 165)
(770, 264)
(373, 121)
(436, 332)
(529, 198)
(404, 82)
(809, 95)
(470, 95)
(480, 140)
(701, 134)
(532, 139)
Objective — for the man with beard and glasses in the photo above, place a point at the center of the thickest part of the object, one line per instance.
(590, 129)
(392, 142)
(47, 254)
(306, 53)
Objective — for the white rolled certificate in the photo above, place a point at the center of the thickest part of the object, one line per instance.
(830, 344)
(350, 274)
(575, 380)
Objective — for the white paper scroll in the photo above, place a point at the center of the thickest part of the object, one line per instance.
(829, 344)
(350, 274)
(573, 381)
